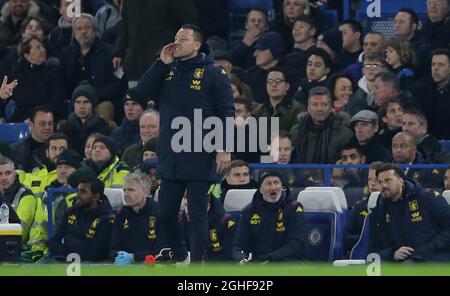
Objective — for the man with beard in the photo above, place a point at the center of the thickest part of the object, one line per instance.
(408, 223)
(86, 227)
(14, 12)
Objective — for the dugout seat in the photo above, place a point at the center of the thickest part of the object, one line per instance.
(236, 200)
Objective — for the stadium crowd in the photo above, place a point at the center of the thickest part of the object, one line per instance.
(341, 95)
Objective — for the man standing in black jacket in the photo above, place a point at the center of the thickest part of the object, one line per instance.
(185, 82)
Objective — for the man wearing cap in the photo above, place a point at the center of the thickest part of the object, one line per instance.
(86, 227)
(148, 130)
(242, 50)
(365, 125)
(84, 121)
(45, 173)
(320, 134)
(106, 163)
(127, 133)
(272, 226)
(331, 42)
(185, 81)
(67, 162)
(268, 53)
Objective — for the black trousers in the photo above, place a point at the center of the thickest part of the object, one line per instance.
(169, 199)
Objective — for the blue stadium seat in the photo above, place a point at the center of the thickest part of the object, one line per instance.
(360, 249)
(324, 236)
(445, 144)
(236, 199)
(389, 8)
(14, 132)
(325, 214)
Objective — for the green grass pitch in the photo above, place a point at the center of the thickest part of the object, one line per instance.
(304, 269)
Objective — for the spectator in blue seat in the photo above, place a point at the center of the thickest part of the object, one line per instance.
(433, 94)
(13, 13)
(447, 179)
(84, 121)
(373, 63)
(341, 86)
(436, 28)
(350, 177)
(269, 51)
(391, 115)
(351, 42)
(238, 177)
(406, 24)
(62, 35)
(359, 212)
(135, 232)
(90, 59)
(282, 152)
(272, 226)
(242, 51)
(31, 152)
(365, 125)
(318, 69)
(404, 151)
(401, 60)
(373, 43)
(279, 103)
(86, 227)
(415, 122)
(127, 133)
(40, 82)
(408, 223)
(304, 33)
(148, 129)
(320, 133)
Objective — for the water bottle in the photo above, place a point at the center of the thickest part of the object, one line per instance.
(4, 213)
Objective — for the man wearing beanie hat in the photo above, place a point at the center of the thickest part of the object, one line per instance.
(45, 172)
(67, 162)
(281, 225)
(127, 133)
(365, 125)
(84, 121)
(106, 163)
(269, 49)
